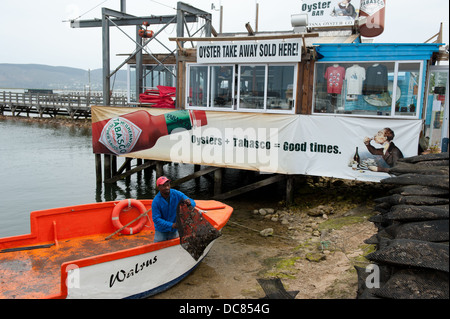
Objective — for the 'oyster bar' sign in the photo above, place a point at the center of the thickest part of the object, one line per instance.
(331, 13)
(250, 51)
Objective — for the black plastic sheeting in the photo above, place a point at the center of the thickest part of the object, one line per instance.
(412, 243)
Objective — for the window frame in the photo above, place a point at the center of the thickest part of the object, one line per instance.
(236, 105)
(393, 113)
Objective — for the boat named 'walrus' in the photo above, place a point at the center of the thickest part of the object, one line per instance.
(66, 254)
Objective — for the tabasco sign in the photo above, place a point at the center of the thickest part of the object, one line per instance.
(276, 143)
(289, 50)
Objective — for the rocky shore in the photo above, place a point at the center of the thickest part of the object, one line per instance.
(53, 121)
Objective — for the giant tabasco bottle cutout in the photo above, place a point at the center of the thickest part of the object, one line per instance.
(140, 130)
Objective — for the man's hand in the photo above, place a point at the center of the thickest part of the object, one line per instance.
(174, 226)
(187, 201)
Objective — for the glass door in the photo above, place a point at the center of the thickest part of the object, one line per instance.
(436, 116)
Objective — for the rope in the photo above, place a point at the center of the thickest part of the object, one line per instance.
(258, 231)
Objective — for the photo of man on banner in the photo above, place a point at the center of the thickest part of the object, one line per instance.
(389, 151)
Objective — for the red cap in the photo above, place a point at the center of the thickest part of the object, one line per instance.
(162, 180)
(199, 118)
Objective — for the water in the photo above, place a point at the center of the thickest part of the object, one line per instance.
(47, 166)
(42, 167)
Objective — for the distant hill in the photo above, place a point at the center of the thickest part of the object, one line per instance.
(38, 76)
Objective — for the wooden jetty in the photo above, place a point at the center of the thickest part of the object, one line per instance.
(73, 105)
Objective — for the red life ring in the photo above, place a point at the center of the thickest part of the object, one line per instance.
(118, 209)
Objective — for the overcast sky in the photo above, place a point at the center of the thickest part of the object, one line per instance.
(35, 32)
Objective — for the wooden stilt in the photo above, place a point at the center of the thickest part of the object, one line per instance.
(98, 168)
(128, 168)
(290, 190)
(107, 166)
(218, 181)
(159, 169)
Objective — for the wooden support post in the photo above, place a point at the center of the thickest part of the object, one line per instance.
(113, 165)
(159, 169)
(290, 190)
(107, 166)
(128, 169)
(218, 174)
(139, 163)
(98, 168)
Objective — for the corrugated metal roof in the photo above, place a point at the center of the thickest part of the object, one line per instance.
(376, 51)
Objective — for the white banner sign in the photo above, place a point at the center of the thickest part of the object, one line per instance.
(330, 13)
(272, 143)
(289, 50)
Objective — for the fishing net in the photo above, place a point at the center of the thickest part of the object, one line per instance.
(418, 213)
(196, 232)
(434, 231)
(415, 284)
(409, 252)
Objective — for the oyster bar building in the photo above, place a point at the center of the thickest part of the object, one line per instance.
(310, 101)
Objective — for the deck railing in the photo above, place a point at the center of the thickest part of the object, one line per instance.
(73, 105)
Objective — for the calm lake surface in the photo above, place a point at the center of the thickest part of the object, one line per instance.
(48, 166)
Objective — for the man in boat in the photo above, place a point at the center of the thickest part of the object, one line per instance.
(164, 210)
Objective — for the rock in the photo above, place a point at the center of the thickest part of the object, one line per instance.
(315, 257)
(320, 210)
(262, 212)
(274, 219)
(256, 211)
(266, 232)
(284, 221)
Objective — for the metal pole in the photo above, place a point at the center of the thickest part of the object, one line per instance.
(139, 66)
(106, 59)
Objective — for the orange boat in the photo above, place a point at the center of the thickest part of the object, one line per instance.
(66, 255)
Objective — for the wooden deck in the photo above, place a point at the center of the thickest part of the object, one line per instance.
(52, 105)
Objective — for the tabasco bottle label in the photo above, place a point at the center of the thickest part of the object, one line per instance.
(178, 119)
(370, 7)
(120, 135)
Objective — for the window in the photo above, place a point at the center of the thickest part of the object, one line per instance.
(222, 86)
(198, 81)
(409, 81)
(280, 87)
(243, 87)
(367, 88)
(252, 83)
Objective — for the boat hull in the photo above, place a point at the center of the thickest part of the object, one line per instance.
(138, 276)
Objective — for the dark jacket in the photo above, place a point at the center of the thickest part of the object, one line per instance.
(393, 154)
(164, 213)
